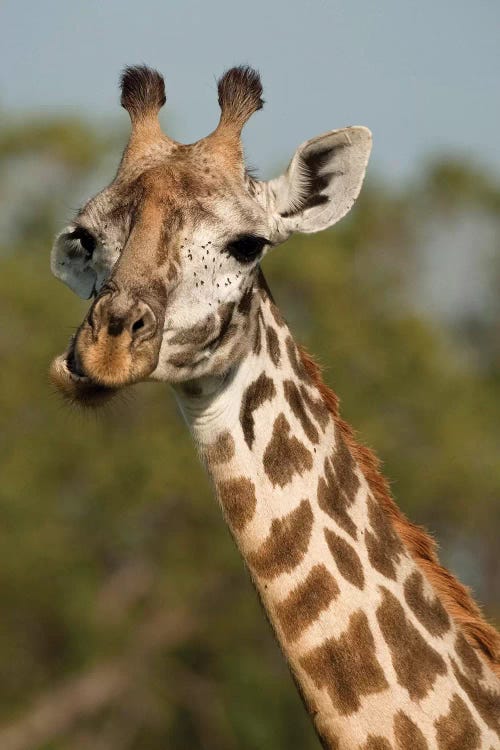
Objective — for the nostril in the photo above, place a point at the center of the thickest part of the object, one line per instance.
(144, 322)
(138, 325)
(115, 325)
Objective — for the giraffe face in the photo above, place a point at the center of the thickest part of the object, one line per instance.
(170, 260)
(170, 250)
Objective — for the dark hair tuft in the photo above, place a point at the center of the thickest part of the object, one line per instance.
(240, 94)
(143, 91)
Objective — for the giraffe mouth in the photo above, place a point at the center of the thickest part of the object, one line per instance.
(67, 375)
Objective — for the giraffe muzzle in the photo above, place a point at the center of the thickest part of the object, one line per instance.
(119, 341)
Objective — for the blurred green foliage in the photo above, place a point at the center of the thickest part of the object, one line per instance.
(128, 620)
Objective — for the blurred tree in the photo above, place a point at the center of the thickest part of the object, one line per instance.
(128, 620)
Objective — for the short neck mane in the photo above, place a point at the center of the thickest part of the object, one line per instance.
(455, 596)
(378, 635)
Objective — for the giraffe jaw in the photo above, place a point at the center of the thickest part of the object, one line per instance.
(76, 387)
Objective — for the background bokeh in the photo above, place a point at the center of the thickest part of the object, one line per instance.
(127, 619)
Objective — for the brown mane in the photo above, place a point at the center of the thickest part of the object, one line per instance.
(454, 595)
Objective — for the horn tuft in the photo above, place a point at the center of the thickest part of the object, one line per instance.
(143, 91)
(240, 95)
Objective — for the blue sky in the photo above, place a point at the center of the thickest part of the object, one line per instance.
(422, 75)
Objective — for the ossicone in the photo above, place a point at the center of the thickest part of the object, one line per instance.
(240, 95)
(143, 91)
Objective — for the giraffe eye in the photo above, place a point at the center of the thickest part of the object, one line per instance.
(247, 247)
(86, 240)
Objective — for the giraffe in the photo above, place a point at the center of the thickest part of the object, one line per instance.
(388, 650)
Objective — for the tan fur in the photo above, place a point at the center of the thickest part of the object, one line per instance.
(454, 595)
(82, 392)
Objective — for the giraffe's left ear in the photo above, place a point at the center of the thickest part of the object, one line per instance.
(321, 183)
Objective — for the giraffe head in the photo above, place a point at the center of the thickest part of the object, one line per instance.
(170, 250)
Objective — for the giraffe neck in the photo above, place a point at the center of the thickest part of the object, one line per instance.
(378, 660)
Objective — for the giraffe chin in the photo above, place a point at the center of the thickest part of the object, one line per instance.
(78, 389)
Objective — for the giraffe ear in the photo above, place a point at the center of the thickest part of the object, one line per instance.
(321, 183)
(70, 262)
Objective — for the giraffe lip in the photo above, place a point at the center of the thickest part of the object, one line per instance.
(73, 365)
(74, 385)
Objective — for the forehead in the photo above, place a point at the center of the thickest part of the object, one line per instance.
(191, 185)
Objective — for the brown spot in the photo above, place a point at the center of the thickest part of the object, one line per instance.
(415, 662)
(255, 395)
(344, 467)
(183, 358)
(303, 605)
(273, 345)
(455, 597)
(430, 613)
(293, 397)
(327, 739)
(238, 501)
(376, 743)
(468, 656)
(457, 729)
(197, 334)
(221, 450)
(266, 296)
(225, 312)
(347, 667)
(286, 544)
(346, 558)
(407, 735)
(285, 455)
(334, 500)
(317, 407)
(245, 302)
(383, 545)
(295, 360)
(278, 318)
(257, 344)
(485, 701)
